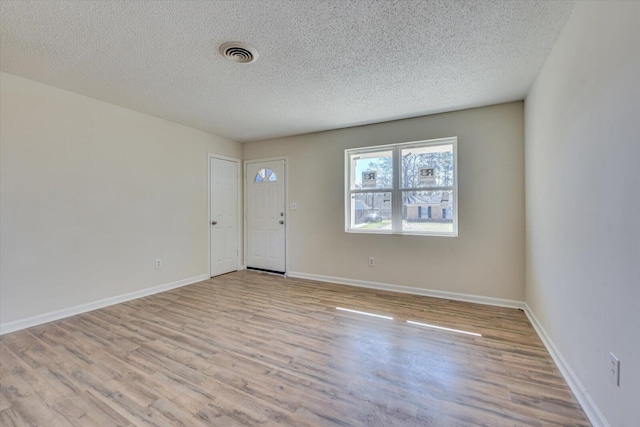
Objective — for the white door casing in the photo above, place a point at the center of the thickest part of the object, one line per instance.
(223, 215)
(265, 183)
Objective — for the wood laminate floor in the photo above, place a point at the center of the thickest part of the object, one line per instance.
(253, 349)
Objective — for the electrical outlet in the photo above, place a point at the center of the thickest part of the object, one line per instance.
(614, 369)
(372, 261)
(159, 263)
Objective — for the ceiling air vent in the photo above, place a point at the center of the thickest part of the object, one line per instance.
(238, 52)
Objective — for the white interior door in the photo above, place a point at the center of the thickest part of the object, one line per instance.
(265, 215)
(223, 175)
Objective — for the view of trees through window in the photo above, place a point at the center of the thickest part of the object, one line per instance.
(425, 183)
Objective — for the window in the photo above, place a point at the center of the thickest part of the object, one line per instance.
(265, 175)
(408, 188)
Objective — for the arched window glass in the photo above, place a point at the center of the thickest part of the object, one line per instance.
(265, 175)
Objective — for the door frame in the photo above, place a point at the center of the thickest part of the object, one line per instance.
(240, 212)
(286, 208)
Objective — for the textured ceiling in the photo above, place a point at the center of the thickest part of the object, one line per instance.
(322, 65)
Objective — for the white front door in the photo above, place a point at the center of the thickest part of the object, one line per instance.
(223, 175)
(265, 214)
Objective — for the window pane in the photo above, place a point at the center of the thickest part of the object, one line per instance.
(265, 175)
(421, 178)
(372, 170)
(371, 211)
(427, 166)
(427, 211)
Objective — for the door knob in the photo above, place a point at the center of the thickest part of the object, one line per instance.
(214, 222)
(281, 222)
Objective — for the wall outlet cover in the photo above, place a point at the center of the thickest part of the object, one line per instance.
(614, 369)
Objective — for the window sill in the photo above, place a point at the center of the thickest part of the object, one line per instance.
(401, 233)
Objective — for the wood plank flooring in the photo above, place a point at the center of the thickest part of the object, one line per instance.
(253, 349)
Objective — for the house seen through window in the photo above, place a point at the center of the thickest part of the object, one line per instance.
(407, 188)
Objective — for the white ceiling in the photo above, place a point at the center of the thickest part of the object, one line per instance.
(322, 64)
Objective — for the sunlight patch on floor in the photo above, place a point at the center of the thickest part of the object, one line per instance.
(364, 313)
(442, 328)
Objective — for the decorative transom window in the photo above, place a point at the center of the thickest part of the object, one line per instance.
(265, 175)
(407, 188)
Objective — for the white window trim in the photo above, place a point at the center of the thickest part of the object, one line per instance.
(396, 191)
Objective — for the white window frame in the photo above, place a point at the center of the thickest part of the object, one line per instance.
(396, 191)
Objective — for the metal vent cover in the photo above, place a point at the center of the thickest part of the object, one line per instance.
(238, 52)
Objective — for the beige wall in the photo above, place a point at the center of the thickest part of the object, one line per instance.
(92, 194)
(583, 158)
(487, 258)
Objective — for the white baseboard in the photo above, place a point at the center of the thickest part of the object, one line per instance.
(584, 399)
(17, 325)
(500, 302)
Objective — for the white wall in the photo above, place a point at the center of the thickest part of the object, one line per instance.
(91, 195)
(583, 201)
(486, 259)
